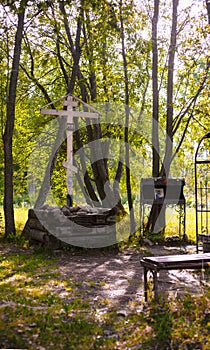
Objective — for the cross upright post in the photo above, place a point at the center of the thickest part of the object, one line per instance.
(69, 135)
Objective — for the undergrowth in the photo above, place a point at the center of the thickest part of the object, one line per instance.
(41, 308)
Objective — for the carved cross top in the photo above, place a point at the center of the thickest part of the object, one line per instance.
(71, 102)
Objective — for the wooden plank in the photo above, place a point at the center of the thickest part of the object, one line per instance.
(85, 104)
(38, 235)
(70, 166)
(177, 266)
(85, 114)
(176, 262)
(34, 223)
(54, 112)
(69, 113)
(178, 258)
(72, 103)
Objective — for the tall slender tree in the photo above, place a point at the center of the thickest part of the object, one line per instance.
(208, 10)
(127, 117)
(155, 94)
(156, 219)
(10, 120)
(170, 94)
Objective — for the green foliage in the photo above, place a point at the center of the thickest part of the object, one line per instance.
(160, 319)
(46, 68)
(179, 323)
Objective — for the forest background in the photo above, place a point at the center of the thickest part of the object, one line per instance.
(142, 65)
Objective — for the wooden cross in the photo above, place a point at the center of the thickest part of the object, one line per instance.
(70, 103)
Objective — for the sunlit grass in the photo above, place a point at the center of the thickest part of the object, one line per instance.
(34, 311)
(21, 216)
(172, 228)
(42, 308)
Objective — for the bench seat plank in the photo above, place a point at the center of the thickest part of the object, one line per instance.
(185, 261)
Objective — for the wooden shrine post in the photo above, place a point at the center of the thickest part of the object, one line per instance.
(70, 103)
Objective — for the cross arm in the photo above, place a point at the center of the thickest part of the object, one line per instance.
(69, 113)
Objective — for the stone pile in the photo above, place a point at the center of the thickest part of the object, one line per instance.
(81, 226)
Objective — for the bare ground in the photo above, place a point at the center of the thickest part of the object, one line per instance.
(118, 276)
(115, 279)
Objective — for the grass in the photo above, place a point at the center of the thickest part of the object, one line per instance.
(42, 309)
(32, 312)
(172, 224)
(21, 215)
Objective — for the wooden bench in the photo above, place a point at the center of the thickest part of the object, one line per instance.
(171, 262)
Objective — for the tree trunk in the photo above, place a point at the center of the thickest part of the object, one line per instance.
(45, 187)
(126, 133)
(155, 94)
(208, 10)
(170, 84)
(9, 128)
(208, 14)
(156, 208)
(156, 220)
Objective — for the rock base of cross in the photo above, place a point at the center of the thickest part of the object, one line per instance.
(81, 226)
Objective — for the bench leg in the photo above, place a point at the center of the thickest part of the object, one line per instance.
(145, 284)
(155, 281)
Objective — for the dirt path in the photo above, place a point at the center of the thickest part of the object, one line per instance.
(118, 277)
(115, 279)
